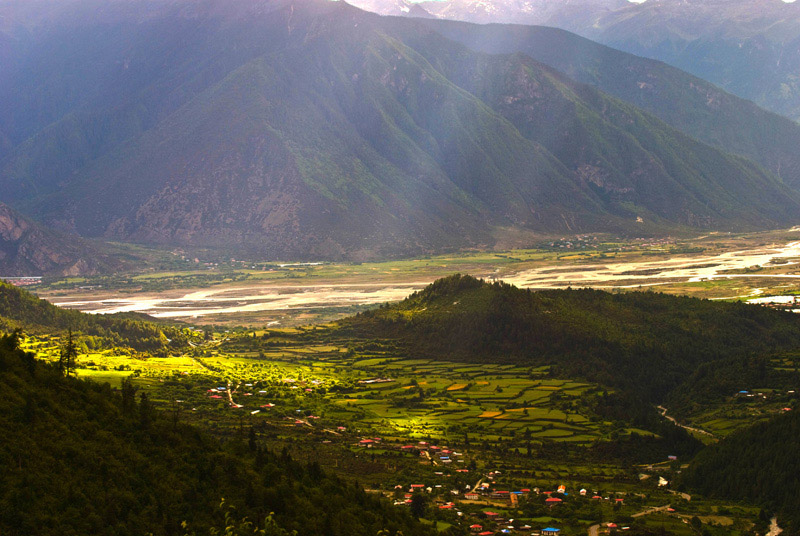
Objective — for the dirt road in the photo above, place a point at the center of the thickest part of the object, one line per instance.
(688, 428)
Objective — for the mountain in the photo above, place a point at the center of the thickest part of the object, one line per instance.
(687, 103)
(394, 7)
(748, 47)
(29, 249)
(487, 11)
(643, 343)
(316, 130)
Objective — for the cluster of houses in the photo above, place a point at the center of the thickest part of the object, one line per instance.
(300, 384)
(554, 498)
(438, 455)
(376, 380)
(508, 526)
(501, 524)
(25, 281)
(492, 523)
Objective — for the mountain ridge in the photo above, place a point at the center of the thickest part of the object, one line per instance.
(747, 47)
(689, 104)
(340, 136)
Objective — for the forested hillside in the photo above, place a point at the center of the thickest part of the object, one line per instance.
(21, 309)
(759, 465)
(78, 458)
(643, 342)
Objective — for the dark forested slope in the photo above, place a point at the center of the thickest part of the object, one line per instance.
(21, 309)
(759, 464)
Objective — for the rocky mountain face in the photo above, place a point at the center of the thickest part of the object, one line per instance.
(315, 130)
(750, 48)
(27, 249)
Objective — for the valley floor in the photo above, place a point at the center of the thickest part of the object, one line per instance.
(467, 436)
(763, 267)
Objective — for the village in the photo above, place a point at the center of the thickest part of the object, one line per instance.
(474, 504)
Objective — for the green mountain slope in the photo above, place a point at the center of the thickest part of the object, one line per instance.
(315, 130)
(690, 104)
(642, 342)
(80, 459)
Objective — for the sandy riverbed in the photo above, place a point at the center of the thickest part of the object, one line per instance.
(261, 299)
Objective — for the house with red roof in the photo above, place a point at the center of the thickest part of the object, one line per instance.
(552, 501)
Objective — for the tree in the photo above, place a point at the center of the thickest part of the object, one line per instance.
(68, 355)
(145, 412)
(236, 526)
(128, 397)
(251, 439)
(419, 503)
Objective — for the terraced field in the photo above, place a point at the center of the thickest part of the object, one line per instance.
(395, 396)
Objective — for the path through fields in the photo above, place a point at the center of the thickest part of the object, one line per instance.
(685, 427)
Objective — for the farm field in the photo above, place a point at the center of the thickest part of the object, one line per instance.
(405, 397)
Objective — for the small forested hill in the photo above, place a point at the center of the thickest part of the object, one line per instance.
(643, 342)
(21, 309)
(760, 465)
(79, 459)
(29, 249)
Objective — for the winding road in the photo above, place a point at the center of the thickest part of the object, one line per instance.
(689, 428)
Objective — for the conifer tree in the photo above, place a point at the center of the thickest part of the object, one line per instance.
(68, 355)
